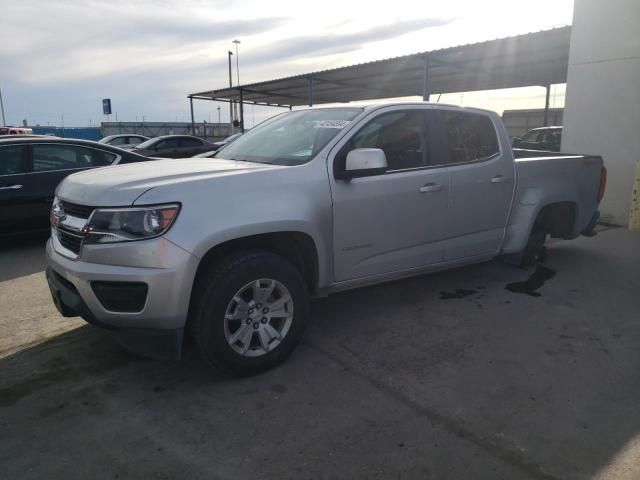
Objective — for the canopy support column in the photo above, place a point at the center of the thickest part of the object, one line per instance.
(310, 79)
(546, 106)
(193, 123)
(425, 78)
(241, 112)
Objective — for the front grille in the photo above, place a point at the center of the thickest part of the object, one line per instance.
(75, 210)
(69, 240)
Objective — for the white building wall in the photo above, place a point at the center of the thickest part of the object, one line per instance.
(602, 109)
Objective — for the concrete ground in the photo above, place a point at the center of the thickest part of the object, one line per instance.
(442, 376)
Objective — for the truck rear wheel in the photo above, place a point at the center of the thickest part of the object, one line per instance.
(535, 250)
(249, 313)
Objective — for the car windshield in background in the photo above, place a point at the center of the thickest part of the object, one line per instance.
(146, 143)
(291, 138)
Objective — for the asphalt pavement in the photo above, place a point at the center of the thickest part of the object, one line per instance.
(483, 372)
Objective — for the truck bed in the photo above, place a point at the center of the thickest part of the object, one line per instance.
(545, 178)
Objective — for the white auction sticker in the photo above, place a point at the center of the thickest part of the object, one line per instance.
(331, 123)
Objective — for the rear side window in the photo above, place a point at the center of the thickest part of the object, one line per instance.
(11, 159)
(190, 142)
(67, 157)
(118, 141)
(168, 143)
(471, 136)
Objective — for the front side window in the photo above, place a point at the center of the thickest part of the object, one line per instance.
(471, 136)
(401, 135)
(135, 140)
(11, 159)
(291, 138)
(67, 157)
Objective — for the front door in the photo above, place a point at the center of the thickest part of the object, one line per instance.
(395, 220)
(14, 209)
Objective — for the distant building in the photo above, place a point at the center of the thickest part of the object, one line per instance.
(209, 131)
(84, 133)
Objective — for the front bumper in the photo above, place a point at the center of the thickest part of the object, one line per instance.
(157, 329)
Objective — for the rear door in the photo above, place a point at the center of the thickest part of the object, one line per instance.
(482, 183)
(190, 147)
(395, 220)
(14, 208)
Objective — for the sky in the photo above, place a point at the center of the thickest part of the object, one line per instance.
(59, 58)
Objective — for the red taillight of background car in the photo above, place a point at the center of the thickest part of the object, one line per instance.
(603, 183)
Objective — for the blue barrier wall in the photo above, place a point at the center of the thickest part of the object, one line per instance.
(86, 133)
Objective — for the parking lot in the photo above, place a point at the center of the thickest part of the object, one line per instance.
(448, 375)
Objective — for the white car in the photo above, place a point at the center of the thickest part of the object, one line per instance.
(125, 141)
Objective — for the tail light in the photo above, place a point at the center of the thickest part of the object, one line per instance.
(603, 183)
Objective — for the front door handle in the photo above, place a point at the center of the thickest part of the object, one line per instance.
(498, 179)
(12, 187)
(430, 187)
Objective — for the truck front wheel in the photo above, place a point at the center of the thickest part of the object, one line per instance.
(250, 311)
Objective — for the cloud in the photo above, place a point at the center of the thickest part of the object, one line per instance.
(44, 42)
(64, 56)
(335, 43)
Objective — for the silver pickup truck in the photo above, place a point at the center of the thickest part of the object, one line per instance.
(310, 202)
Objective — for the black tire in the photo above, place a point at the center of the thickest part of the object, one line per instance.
(535, 251)
(214, 290)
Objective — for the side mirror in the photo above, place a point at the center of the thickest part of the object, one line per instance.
(516, 142)
(363, 162)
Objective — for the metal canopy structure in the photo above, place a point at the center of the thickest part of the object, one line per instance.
(539, 58)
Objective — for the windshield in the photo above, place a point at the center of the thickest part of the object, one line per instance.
(291, 138)
(531, 136)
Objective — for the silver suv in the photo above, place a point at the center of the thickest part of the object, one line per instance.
(308, 203)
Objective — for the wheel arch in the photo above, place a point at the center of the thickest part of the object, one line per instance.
(559, 216)
(297, 247)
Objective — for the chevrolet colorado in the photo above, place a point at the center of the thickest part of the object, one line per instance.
(310, 202)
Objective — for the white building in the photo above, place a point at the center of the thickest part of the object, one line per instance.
(602, 109)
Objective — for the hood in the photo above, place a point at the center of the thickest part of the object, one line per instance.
(121, 185)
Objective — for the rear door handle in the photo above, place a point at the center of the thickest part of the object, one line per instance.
(430, 187)
(499, 179)
(12, 187)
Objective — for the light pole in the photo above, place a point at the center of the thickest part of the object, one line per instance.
(237, 42)
(4, 123)
(229, 53)
(218, 115)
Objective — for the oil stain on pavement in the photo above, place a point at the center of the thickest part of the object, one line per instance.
(533, 283)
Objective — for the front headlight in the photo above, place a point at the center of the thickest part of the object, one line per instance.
(108, 225)
(54, 215)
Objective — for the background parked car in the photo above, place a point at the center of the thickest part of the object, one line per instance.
(15, 131)
(32, 167)
(227, 140)
(173, 146)
(218, 146)
(125, 141)
(544, 138)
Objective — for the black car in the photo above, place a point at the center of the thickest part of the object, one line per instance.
(543, 138)
(173, 146)
(32, 167)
